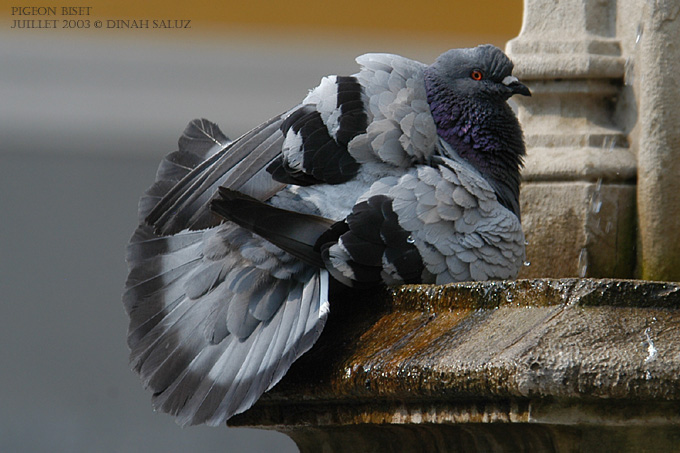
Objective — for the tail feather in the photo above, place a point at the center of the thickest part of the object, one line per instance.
(201, 140)
(185, 205)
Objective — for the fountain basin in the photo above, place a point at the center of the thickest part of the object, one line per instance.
(535, 365)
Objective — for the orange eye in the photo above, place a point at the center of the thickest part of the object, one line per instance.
(477, 74)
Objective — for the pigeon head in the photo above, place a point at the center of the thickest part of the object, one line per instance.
(484, 72)
(467, 90)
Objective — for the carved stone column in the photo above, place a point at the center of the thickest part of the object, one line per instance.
(578, 197)
(657, 85)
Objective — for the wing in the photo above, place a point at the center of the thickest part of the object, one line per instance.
(317, 134)
(293, 232)
(372, 247)
(401, 130)
(369, 247)
(378, 115)
(437, 223)
(217, 317)
(458, 225)
(199, 142)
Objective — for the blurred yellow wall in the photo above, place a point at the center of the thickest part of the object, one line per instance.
(500, 18)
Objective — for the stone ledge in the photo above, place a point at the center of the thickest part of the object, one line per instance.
(548, 352)
(556, 46)
(576, 66)
(579, 164)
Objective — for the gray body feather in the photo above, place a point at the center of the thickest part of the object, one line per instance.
(230, 266)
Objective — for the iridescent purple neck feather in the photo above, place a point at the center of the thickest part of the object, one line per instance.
(483, 129)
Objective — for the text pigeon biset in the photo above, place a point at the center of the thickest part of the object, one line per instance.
(401, 173)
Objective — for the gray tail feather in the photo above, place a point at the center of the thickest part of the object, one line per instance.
(200, 140)
(231, 164)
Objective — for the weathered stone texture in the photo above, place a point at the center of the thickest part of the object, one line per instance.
(579, 229)
(657, 86)
(603, 112)
(437, 365)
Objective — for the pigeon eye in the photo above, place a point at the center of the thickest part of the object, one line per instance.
(476, 75)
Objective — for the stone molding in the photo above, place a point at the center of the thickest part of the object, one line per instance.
(578, 150)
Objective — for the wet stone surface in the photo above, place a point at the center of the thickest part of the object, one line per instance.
(554, 354)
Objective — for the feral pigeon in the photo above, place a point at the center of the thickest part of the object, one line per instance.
(400, 173)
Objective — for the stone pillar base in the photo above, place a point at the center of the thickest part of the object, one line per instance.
(579, 228)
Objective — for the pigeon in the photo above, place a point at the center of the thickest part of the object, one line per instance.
(401, 173)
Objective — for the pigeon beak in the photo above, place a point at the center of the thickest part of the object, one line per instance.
(515, 86)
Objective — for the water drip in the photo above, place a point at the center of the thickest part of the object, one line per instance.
(583, 262)
(638, 33)
(629, 72)
(596, 199)
(651, 349)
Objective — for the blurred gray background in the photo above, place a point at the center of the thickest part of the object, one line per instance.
(84, 121)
